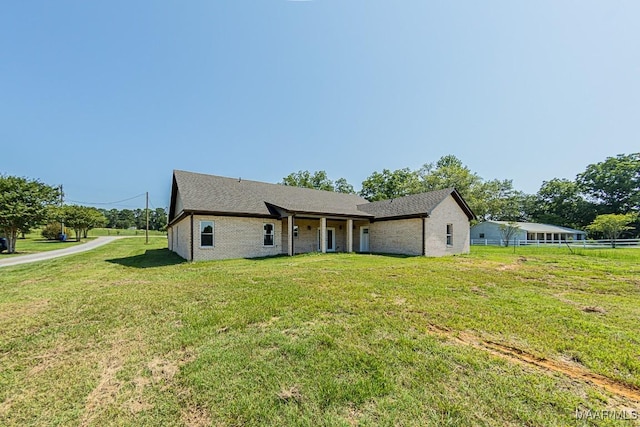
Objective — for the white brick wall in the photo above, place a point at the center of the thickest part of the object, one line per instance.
(234, 237)
(447, 212)
(179, 238)
(401, 236)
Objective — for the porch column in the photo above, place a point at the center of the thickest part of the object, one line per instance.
(349, 235)
(323, 235)
(290, 249)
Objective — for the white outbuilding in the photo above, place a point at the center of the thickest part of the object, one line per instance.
(489, 232)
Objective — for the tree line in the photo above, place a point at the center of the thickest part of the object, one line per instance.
(610, 187)
(135, 218)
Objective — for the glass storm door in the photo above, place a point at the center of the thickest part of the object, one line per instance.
(364, 239)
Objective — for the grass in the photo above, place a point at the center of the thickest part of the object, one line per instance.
(123, 232)
(129, 334)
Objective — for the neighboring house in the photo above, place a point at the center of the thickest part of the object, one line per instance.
(531, 231)
(213, 217)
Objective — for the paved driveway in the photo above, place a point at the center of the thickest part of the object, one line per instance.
(41, 256)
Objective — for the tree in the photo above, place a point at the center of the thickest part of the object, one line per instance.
(23, 205)
(613, 184)
(390, 184)
(508, 231)
(318, 180)
(494, 199)
(560, 202)
(449, 172)
(82, 219)
(612, 225)
(158, 219)
(112, 217)
(126, 219)
(140, 216)
(497, 200)
(342, 186)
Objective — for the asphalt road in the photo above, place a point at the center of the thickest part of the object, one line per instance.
(41, 256)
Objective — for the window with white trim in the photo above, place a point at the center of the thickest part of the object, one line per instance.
(206, 234)
(295, 231)
(268, 234)
(449, 234)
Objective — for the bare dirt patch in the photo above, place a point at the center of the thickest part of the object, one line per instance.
(28, 308)
(49, 359)
(105, 392)
(162, 370)
(517, 355)
(195, 416)
(290, 394)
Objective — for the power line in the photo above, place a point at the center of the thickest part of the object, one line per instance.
(107, 203)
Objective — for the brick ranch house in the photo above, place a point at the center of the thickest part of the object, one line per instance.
(213, 217)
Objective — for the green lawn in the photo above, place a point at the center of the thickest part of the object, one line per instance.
(123, 232)
(129, 334)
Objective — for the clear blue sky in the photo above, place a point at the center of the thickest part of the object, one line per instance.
(107, 98)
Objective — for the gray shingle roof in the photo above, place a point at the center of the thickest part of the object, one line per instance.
(217, 194)
(212, 193)
(415, 204)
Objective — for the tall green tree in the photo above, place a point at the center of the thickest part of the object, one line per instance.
(82, 219)
(318, 180)
(449, 171)
(140, 216)
(342, 186)
(126, 219)
(158, 219)
(560, 202)
(390, 184)
(495, 200)
(24, 204)
(613, 184)
(112, 217)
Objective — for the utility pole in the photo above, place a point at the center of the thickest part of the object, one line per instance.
(147, 210)
(61, 215)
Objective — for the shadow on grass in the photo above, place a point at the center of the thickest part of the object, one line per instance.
(150, 259)
(318, 254)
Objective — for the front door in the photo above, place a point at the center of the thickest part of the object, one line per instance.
(364, 239)
(331, 240)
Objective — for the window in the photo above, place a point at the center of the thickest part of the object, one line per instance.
(449, 234)
(295, 231)
(482, 235)
(268, 234)
(206, 234)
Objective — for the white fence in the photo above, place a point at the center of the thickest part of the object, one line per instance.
(575, 243)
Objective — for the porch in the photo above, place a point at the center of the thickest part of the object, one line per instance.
(305, 234)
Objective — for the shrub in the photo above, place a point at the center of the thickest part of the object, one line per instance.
(51, 231)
